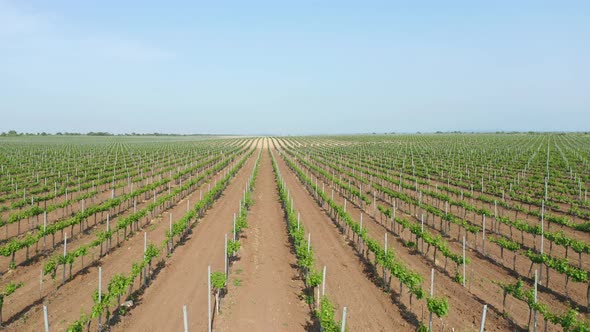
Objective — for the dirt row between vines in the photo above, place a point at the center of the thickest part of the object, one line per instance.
(104, 193)
(183, 281)
(264, 287)
(502, 211)
(347, 278)
(502, 267)
(56, 216)
(465, 310)
(437, 179)
(575, 234)
(32, 293)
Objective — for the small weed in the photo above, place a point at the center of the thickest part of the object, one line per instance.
(238, 271)
(123, 311)
(410, 244)
(237, 282)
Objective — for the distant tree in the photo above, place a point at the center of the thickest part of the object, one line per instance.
(98, 133)
(12, 133)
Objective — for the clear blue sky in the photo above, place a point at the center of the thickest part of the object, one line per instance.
(296, 67)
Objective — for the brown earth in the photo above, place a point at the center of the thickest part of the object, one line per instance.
(482, 273)
(465, 312)
(78, 290)
(496, 268)
(184, 279)
(264, 289)
(347, 278)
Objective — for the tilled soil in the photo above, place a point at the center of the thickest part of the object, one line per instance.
(33, 292)
(67, 303)
(184, 279)
(482, 274)
(347, 280)
(265, 290)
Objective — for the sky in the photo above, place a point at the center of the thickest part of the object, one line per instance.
(294, 67)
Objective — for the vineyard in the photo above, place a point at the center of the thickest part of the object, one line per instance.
(433, 232)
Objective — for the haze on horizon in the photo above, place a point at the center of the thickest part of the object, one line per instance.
(268, 67)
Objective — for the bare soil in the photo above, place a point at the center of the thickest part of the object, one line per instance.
(265, 290)
(27, 306)
(184, 279)
(348, 278)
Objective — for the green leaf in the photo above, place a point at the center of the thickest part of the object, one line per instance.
(218, 280)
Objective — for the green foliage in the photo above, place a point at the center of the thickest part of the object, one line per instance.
(568, 320)
(80, 324)
(560, 265)
(314, 278)
(232, 247)
(118, 285)
(17, 244)
(81, 251)
(218, 280)
(422, 328)
(438, 306)
(505, 243)
(151, 252)
(325, 315)
(249, 201)
(135, 269)
(50, 267)
(8, 290)
(409, 278)
(99, 305)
